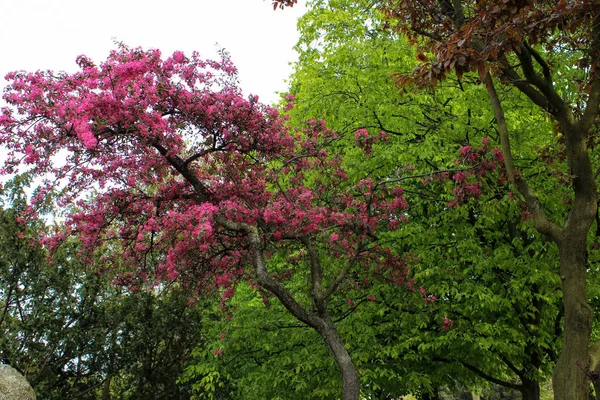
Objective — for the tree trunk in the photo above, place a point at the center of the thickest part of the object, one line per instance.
(433, 395)
(569, 379)
(350, 383)
(319, 321)
(530, 389)
(106, 389)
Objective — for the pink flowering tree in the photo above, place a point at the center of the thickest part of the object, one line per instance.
(162, 166)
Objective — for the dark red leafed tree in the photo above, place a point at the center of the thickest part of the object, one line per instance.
(162, 165)
(522, 43)
(284, 3)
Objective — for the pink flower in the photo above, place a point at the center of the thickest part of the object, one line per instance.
(178, 57)
(131, 110)
(172, 273)
(447, 323)
(228, 294)
(459, 176)
(361, 134)
(498, 155)
(218, 352)
(223, 280)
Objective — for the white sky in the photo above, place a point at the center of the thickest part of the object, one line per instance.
(50, 34)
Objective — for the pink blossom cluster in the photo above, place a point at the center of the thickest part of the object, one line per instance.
(172, 149)
(448, 323)
(366, 141)
(481, 162)
(290, 98)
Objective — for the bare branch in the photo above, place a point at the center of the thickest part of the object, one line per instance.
(339, 278)
(425, 175)
(540, 60)
(510, 365)
(265, 280)
(430, 35)
(181, 167)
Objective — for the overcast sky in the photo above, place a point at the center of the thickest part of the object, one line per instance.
(50, 34)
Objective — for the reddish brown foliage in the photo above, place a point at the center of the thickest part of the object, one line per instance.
(284, 3)
(468, 35)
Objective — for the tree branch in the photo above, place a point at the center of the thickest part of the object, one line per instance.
(480, 373)
(262, 275)
(540, 60)
(339, 279)
(430, 35)
(523, 85)
(265, 280)
(183, 168)
(316, 274)
(203, 153)
(592, 107)
(542, 223)
(511, 366)
(425, 175)
(459, 14)
(559, 108)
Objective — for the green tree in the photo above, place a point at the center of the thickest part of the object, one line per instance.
(491, 272)
(73, 333)
(547, 51)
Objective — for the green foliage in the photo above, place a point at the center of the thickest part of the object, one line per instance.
(259, 351)
(491, 272)
(73, 333)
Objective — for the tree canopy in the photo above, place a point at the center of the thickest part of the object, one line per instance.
(422, 203)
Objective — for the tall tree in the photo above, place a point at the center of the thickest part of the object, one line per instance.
(518, 42)
(183, 166)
